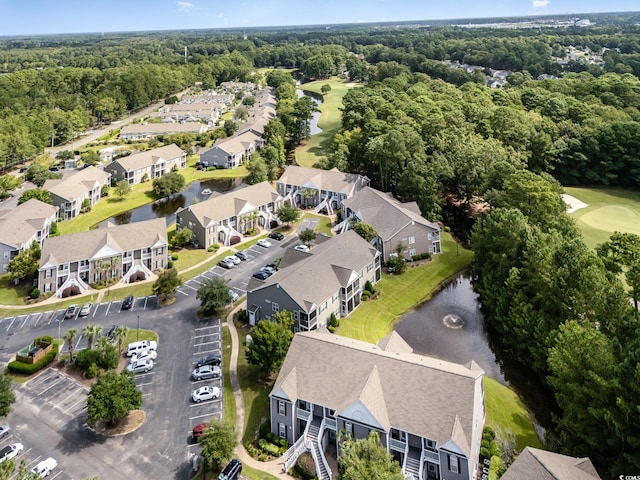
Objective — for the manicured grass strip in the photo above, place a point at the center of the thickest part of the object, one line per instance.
(255, 393)
(374, 319)
(132, 336)
(330, 122)
(8, 312)
(507, 415)
(253, 474)
(608, 210)
(11, 294)
(228, 399)
(324, 223)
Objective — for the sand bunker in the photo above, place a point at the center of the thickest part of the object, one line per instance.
(573, 203)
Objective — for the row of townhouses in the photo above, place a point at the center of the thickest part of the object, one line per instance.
(147, 165)
(231, 152)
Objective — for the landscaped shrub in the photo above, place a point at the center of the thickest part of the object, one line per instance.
(415, 258)
(368, 286)
(365, 295)
(92, 371)
(334, 321)
(271, 448)
(71, 291)
(174, 256)
(425, 256)
(331, 328)
(29, 368)
(251, 231)
(169, 264)
(305, 467)
(265, 428)
(105, 360)
(34, 293)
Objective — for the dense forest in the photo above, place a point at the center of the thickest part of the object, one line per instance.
(489, 162)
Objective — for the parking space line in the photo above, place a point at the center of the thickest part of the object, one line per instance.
(205, 335)
(38, 319)
(205, 276)
(145, 303)
(205, 328)
(189, 286)
(194, 280)
(77, 403)
(108, 307)
(50, 386)
(143, 384)
(140, 375)
(206, 351)
(185, 294)
(207, 402)
(206, 343)
(12, 320)
(200, 416)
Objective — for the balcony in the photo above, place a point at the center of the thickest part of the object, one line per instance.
(399, 445)
(431, 455)
(303, 414)
(330, 423)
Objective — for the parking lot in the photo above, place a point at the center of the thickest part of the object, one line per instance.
(206, 340)
(65, 401)
(104, 309)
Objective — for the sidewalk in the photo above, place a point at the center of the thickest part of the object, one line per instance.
(274, 467)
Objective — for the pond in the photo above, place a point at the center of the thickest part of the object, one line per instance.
(315, 116)
(450, 326)
(167, 207)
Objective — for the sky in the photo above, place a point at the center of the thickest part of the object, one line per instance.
(34, 17)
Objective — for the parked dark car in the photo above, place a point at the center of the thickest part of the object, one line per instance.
(127, 303)
(276, 236)
(213, 359)
(242, 256)
(231, 471)
(261, 275)
(111, 333)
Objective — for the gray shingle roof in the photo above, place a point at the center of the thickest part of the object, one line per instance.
(327, 267)
(158, 128)
(76, 185)
(332, 180)
(417, 394)
(140, 160)
(220, 207)
(19, 225)
(384, 213)
(237, 144)
(535, 464)
(103, 242)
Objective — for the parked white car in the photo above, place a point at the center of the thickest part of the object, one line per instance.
(233, 259)
(11, 451)
(301, 248)
(142, 366)
(234, 295)
(142, 345)
(44, 468)
(205, 393)
(264, 243)
(144, 355)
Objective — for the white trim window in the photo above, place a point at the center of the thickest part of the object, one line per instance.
(348, 426)
(282, 408)
(412, 240)
(282, 430)
(275, 307)
(454, 464)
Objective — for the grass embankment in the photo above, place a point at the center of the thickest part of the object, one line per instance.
(374, 319)
(608, 211)
(318, 146)
(506, 415)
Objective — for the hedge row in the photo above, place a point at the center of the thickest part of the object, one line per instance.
(29, 368)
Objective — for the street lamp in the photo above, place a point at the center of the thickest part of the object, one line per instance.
(138, 332)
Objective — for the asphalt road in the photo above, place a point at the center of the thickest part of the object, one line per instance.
(49, 417)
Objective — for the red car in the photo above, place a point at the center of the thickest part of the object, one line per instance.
(198, 429)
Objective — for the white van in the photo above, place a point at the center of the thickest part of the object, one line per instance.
(142, 345)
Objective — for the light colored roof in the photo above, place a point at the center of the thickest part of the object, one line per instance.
(18, 226)
(327, 266)
(77, 185)
(220, 207)
(236, 144)
(535, 464)
(394, 343)
(158, 128)
(256, 124)
(332, 180)
(384, 213)
(414, 393)
(148, 158)
(103, 242)
(206, 107)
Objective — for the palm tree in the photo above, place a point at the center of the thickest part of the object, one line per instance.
(103, 344)
(70, 338)
(90, 332)
(121, 335)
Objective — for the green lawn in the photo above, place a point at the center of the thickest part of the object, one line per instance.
(374, 319)
(323, 225)
(228, 400)
(608, 211)
(506, 414)
(11, 294)
(255, 392)
(330, 122)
